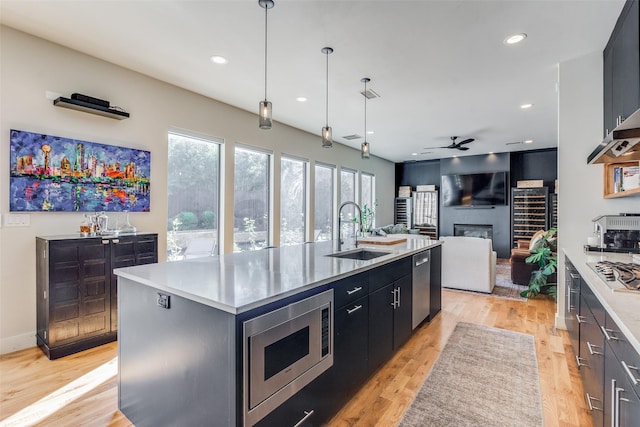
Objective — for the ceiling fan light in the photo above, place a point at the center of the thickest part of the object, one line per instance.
(264, 111)
(327, 137)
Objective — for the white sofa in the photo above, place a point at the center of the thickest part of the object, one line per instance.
(468, 263)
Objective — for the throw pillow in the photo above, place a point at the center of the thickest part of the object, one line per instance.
(536, 240)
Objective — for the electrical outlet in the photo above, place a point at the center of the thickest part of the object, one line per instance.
(163, 300)
(17, 220)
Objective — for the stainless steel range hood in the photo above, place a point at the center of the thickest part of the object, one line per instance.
(621, 145)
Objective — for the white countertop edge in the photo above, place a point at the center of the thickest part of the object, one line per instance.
(359, 267)
(621, 306)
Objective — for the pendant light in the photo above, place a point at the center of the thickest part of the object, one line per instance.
(264, 110)
(327, 137)
(364, 148)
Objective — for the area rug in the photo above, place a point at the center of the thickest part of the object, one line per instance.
(504, 287)
(483, 377)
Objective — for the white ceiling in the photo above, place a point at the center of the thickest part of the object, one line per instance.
(440, 67)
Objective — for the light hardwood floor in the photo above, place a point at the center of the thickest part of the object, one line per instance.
(81, 389)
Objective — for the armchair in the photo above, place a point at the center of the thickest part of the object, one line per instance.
(468, 263)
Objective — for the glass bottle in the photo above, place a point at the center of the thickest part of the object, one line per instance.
(124, 226)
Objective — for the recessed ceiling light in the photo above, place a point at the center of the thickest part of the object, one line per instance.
(370, 132)
(528, 141)
(516, 38)
(490, 152)
(525, 106)
(219, 59)
(414, 154)
(301, 99)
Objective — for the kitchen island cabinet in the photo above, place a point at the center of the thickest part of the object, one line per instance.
(181, 339)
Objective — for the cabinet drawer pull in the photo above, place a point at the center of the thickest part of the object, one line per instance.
(607, 333)
(591, 407)
(116, 240)
(591, 349)
(581, 319)
(105, 242)
(574, 275)
(627, 369)
(354, 309)
(354, 290)
(307, 414)
(580, 364)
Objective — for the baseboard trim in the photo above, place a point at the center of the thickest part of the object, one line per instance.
(17, 342)
(560, 323)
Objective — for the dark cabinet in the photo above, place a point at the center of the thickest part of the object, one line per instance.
(621, 58)
(622, 378)
(591, 362)
(572, 304)
(389, 320)
(76, 290)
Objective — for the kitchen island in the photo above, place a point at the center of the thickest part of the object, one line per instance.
(183, 358)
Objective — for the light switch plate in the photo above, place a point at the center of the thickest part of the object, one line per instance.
(17, 220)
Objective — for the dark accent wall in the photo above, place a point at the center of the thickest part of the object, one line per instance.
(522, 165)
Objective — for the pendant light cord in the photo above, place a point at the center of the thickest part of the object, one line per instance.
(365, 111)
(327, 104)
(266, 9)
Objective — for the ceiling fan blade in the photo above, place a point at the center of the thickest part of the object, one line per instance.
(433, 148)
(466, 141)
(463, 148)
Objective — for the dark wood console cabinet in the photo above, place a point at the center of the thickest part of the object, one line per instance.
(77, 292)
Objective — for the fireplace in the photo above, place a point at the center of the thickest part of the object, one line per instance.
(473, 230)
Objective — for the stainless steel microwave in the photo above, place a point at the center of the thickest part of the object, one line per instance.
(284, 350)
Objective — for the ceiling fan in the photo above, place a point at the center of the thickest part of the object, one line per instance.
(455, 145)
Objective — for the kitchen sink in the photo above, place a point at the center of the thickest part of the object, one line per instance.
(361, 254)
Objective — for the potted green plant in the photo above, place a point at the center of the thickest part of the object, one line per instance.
(545, 256)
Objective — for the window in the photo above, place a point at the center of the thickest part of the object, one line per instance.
(193, 191)
(368, 199)
(348, 194)
(324, 202)
(251, 194)
(293, 201)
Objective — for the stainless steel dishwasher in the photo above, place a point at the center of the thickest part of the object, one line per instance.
(421, 287)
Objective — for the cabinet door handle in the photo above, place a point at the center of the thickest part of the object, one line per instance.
(581, 319)
(591, 349)
(591, 407)
(354, 290)
(574, 275)
(307, 414)
(580, 364)
(607, 333)
(116, 240)
(393, 292)
(627, 369)
(398, 296)
(354, 309)
(105, 242)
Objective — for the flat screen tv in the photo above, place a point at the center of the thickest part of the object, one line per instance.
(478, 189)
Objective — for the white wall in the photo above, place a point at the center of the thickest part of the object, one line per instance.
(580, 197)
(30, 66)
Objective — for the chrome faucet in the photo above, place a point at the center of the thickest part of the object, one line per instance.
(340, 242)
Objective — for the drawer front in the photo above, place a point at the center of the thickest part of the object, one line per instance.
(348, 290)
(389, 273)
(624, 352)
(594, 304)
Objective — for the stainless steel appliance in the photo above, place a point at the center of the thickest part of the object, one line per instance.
(421, 288)
(618, 233)
(283, 351)
(621, 144)
(619, 276)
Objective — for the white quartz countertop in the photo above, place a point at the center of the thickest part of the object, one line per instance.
(623, 307)
(239, 282)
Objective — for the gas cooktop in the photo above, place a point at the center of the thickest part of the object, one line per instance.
(619, 276)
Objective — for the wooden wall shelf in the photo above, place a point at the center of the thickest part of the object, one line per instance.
(87, 107)
(609, 190)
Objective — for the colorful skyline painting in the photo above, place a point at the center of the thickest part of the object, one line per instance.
(52, 173)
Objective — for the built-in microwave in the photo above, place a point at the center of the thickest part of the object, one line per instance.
(284, 350)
